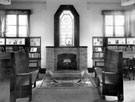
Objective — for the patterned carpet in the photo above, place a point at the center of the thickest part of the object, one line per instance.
(49, 82)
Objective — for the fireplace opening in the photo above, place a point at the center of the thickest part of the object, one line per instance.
(66, 61)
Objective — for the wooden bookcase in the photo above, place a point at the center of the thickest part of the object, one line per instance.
(32, 44)
(34, 52)
(121, 44)
(15, 43)
(116, 43)
(98, 51)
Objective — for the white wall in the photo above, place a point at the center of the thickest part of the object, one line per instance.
(42, 21)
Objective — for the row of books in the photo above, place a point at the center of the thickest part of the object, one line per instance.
(34, 55)
(98, 55)
(122, 48)
(10, 48)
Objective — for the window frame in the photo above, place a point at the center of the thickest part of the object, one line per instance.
(113, 13)
(57, 27)
(17, 13)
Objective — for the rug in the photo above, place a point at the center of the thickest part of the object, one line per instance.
(48, 82)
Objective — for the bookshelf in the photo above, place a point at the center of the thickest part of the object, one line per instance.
(122, 44)
(32, 44)
(35, 48)
(98, 51)
(34, 52)
(116, 43)
(15, 44)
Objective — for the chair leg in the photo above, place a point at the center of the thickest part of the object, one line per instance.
(30, 98)
(12, 98)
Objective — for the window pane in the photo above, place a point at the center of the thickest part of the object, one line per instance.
(22, 19)
(11, 31)
(109, 31)
(119, 20)
(108, 20)
(22, 31)
(11, 19)
(119, 30)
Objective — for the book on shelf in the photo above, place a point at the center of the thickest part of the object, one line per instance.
(98, 55)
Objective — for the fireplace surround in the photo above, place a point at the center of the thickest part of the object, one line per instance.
(66, 58)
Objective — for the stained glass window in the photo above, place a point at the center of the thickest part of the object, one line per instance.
(66, 28)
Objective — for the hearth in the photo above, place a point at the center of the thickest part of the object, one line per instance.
(66, 58)
(66, 61)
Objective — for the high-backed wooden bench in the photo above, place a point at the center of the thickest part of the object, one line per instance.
(21, 79)
(110, 78)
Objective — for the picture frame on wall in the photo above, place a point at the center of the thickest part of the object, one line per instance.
(33, 49)
(35, 42)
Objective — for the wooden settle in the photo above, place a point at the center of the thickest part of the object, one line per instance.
(21, 79)
(110, 77)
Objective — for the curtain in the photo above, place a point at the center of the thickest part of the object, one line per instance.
(130, 23)
(2, 23)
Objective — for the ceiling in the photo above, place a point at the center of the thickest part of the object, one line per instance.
(68, 0)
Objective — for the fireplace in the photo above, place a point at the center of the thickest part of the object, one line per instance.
(66, 61)
(66, 58)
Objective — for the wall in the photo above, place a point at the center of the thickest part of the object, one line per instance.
(42, 20)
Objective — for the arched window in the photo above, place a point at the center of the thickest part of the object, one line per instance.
(66, 27)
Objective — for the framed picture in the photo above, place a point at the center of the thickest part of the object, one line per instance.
(5, 2)
(131, 41)
(98, 49)
(98, 41)
(34, 41)
(15, 41)
(33, 49)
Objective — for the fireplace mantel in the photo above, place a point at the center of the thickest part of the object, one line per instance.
(52, 53)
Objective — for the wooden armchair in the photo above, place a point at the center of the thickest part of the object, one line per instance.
(21, 79)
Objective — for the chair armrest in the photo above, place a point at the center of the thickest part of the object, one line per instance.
(108, 73)
(23, 74)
